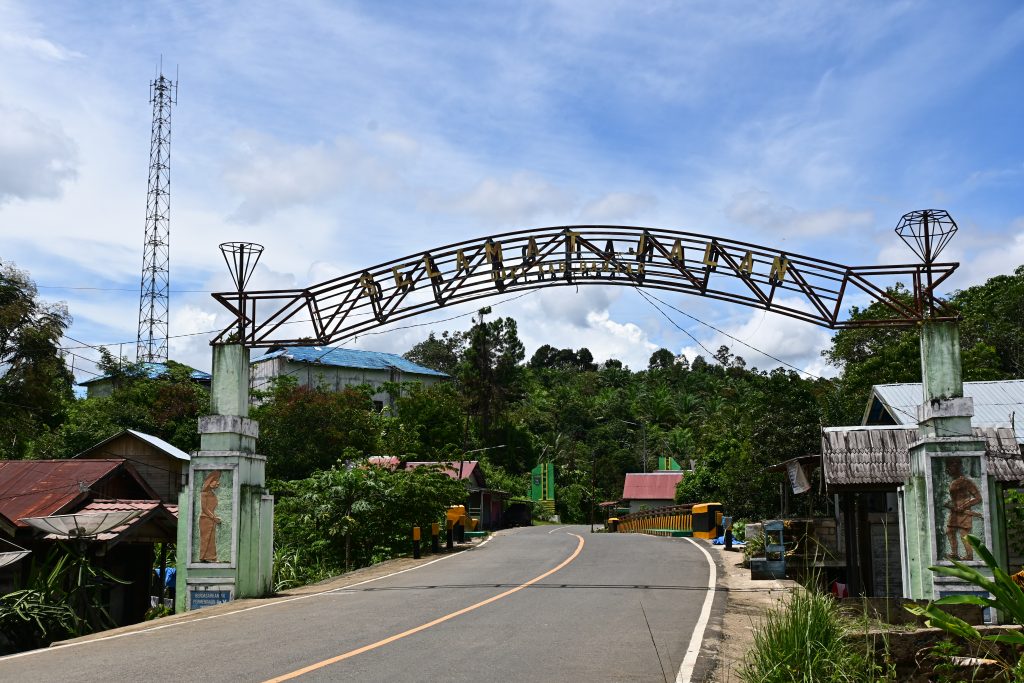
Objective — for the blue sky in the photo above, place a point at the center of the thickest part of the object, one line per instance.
(343, 134)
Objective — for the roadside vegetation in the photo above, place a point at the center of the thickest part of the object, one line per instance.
(807, 640)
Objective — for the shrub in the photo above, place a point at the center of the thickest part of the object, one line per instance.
(805, 639)
(1007, 598)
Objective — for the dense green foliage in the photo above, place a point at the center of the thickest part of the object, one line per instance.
(167, 406)
(35, 385)
(64, 597)
(1007, 598)
(355, 513)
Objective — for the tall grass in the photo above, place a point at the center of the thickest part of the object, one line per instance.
(805, 640)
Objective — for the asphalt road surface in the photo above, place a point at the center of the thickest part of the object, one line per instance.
(535, 604)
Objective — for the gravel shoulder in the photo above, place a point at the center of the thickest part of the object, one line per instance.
(746, 601)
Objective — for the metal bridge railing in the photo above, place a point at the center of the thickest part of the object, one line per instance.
(671, 520)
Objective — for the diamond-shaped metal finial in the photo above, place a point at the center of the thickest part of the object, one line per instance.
(241, 258)
(927, 232)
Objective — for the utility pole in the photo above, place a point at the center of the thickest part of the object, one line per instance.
(643, 430)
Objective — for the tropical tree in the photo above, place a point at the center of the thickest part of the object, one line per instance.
(491, 374)
(439, 353)
(167, 406)
(306, 429)
(35, 384)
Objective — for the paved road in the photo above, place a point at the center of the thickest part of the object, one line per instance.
(601, 607)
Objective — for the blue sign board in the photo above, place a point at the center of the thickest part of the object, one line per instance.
(200, 598)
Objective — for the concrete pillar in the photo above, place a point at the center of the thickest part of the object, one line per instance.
(947, 493)
(225, 516)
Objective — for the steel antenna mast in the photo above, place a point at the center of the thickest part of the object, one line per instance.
(154, 290)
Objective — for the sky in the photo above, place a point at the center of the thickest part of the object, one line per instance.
(344, 134)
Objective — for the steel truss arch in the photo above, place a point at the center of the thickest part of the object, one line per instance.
(801, 287)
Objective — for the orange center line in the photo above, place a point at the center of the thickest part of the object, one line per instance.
(429, 624)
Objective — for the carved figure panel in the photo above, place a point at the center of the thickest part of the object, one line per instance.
(212, 516)
(958, 506)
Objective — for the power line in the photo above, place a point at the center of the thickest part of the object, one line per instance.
(121, 289)
(946, 431)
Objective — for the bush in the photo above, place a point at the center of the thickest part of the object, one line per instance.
(1007, 598)
(805, 639)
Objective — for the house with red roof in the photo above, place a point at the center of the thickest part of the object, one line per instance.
(87, 486)
(649, 490)
(483, 503)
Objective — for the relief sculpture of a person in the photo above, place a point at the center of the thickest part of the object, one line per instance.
(208, 519)
(963, 495)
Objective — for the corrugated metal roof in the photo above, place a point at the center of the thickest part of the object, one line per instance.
(154, 371)
(148, 508)
(993, 402)
(162, 445)
(651, 485)
(870, 455)
(349, 358)
(37, 488)
(468, 468)
(154, 441)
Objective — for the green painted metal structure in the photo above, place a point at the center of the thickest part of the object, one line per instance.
(542, 486)
(668, 463)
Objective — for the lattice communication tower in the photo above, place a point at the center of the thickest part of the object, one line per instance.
(156, 256)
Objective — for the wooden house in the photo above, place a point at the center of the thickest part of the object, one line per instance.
(163, 466)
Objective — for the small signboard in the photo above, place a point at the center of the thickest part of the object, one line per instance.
(207, 598)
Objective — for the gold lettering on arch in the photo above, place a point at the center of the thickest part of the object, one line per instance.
(677, 251)
(492, 250)
(780, 264)
(402, 280)
(428, 263)
(747, 264)
(369, 286)
(711, 264)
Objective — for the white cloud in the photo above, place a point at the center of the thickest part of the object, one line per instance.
(270, 175)
(797, 343)
(36, 47)
(758, 209)
(514, 200)
(617, 207)
(36, 156)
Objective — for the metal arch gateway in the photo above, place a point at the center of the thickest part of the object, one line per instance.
(801, 287)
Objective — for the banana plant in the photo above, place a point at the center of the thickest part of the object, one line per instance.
(1006, 597)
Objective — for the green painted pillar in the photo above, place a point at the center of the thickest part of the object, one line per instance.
(225, 516)
(947, 493)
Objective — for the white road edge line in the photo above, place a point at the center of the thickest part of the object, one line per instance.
(237, 611)
(685, 674)
(559, 529)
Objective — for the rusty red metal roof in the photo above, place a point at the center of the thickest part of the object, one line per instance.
(468, 468)
(37, 488)
(651, 485)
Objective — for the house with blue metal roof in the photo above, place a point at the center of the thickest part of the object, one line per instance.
(104, 384)
(998, 403)
(337, 368)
